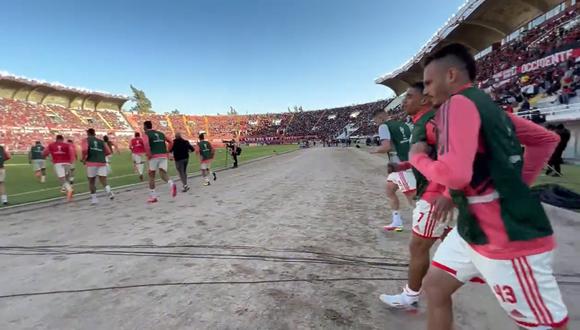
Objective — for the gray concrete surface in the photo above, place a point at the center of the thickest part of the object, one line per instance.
(291, 242)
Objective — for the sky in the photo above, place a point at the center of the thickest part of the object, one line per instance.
(201, 57)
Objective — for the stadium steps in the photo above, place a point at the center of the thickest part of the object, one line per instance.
(104, 120)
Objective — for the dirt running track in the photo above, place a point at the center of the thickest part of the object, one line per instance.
(290, 242)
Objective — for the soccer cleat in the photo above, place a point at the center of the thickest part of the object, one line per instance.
(152, 200)
(185, 188)
(395, 228)
(173, 189)
(111, 195)
(206, 183)
(94, 202)
(214, 176)
(401, 301)
(141, 177)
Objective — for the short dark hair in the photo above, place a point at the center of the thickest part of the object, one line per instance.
(378, 112)
(60, 137)
(137, 134)
(37, 142)
(69, 141)
(105, 138)
(91, 132)
(148, 124)
(460, 53)
(560, 126)
(418, 86)
(201, 136)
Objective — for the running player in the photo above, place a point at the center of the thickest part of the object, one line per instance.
(95, 152)
(62, 155)
(394, 135)
(206, 153)
(156, 148)
(37, 160)
(4, 156)
(426, 230)
(112, 147)
(71, 172)
(138, 153)
(503, 233)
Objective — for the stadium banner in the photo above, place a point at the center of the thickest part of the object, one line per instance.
(547, 61)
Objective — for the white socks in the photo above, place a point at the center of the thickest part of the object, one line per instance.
(140, 168)
(94, 199)
(4, 198)
(152, 193)
(108, 189)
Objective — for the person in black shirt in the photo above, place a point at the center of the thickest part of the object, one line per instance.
(181, 149)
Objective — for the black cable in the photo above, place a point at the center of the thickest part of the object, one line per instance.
(42, 293)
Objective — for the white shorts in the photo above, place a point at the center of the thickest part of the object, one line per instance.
(61, 169)
(138, 158)
(93, 171)
(405, 180)
(38, 164)
(423, 224)
(2, 174)
(157, 164)
(514, 282)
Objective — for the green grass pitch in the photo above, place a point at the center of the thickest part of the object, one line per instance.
(23, 187)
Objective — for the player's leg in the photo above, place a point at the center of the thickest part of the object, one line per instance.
(153, 167)
(204, 173)
(92, 177)
(450, 269)
(71, 174)
(102, 174)
(425, 232)
(526, 289)
(60, 171)
(397, 221)
(109, 168)
(3, 196)
(165, 176)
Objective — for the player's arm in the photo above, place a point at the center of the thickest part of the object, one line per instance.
(6, 154)
(30, 156)
(45, 152)
(84, 150)
(540, 144)
(107, 150)
(190, 147)
(169, 143)
(116, 147)
(73, 153)
(385, 138)
(458, 142)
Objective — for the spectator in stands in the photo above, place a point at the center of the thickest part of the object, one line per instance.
(181, 149)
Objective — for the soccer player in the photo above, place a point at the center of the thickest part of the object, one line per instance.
(138, 153)
(395, 135)
(112, 147)
(206, 153)
(37, 160)
(71, 172)
(62, 155)
(503, 234)
(4, 156)
(426, 230)
(95, 152)
(156, 146)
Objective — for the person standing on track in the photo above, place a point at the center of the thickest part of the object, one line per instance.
(156, 147)
(38, 161)
(137, 147)
(181, 149)
(4, 156)
(425, 229)
(206, 153)
(395, 135)
(503, 234)
(95, 152)
(71, 172)
(62, 155)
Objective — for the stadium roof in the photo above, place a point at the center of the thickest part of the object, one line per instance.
(57, 87)
(477, 24)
